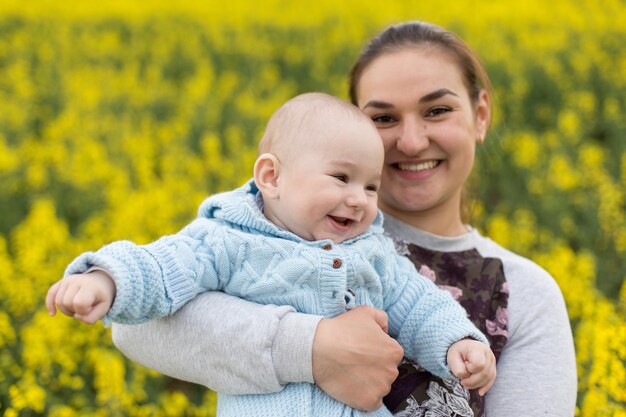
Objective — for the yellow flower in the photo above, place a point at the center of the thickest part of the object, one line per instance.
(561, 174)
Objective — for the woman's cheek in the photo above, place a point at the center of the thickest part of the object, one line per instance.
(387, 137)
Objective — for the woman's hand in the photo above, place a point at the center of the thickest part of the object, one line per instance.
(355, 361)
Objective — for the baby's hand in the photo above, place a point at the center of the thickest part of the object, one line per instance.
(86, 297)
(474, 363)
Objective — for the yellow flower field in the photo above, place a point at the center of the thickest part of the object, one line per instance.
(117, 120)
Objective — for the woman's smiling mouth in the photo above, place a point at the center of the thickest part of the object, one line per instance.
(417, 167)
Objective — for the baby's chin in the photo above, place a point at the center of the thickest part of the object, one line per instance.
(345, 237)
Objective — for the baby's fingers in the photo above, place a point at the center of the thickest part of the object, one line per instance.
(88, 308)
(484, 381)
(474, 381)
(483, 372)
(483, 390)
(67, 297)
(50, 297)
(457, 366)
(478, 359)
(83, 301)
(61, 296)
(93, 314)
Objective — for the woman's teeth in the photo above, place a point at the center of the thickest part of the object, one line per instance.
(422, 166)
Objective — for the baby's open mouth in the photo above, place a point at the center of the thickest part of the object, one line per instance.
(342, 221)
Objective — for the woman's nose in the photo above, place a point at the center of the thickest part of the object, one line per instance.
(413, 137)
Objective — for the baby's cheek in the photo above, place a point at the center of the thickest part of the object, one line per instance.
(371, 215)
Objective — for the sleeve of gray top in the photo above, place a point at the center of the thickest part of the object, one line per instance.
(537, 368)
(225, 343)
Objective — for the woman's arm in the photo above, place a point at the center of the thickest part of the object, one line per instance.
(224, 343)
(537, 368)
(239, 347)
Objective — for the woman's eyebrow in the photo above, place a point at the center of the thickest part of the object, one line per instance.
(377, 104)
(428, 97)
(436, 94)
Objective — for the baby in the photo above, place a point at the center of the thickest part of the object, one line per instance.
(306, 232)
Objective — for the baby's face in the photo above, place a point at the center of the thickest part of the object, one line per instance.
(329, 188)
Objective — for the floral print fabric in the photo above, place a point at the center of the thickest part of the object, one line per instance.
(479, 285)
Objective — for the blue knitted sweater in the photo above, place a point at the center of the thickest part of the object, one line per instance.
(232, 247)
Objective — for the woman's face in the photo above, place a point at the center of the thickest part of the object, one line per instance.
(421, 107)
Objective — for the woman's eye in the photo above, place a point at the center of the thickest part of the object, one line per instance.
(383, 119)
(437, 111)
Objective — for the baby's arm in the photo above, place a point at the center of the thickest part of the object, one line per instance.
(429, 324)
(474, 363)
(156, 279)
(425, 320)
(86, 297)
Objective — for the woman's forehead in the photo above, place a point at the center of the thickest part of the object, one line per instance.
(408, 72)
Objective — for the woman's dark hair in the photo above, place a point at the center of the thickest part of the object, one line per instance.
(420, 34)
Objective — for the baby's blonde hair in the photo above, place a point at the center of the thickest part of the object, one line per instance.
(300, 119)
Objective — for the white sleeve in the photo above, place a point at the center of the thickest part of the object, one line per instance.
(537, 368)
(226, 344)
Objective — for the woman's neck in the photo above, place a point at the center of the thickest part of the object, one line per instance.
(436, 220)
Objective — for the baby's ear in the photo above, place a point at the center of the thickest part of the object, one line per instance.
(266, 172)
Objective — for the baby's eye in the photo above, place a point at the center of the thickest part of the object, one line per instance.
(341, 177)
(372, 187)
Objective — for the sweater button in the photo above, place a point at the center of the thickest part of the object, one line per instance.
(337, 263)
(327, 247)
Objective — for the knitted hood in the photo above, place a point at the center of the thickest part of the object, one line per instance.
(243, 207)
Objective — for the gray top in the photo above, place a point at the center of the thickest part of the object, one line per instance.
(237, 347)
(537, 366)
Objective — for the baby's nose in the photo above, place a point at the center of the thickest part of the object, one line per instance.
(357, 199)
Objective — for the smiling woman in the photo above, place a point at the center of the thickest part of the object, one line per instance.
(430, 127)
(428, 95)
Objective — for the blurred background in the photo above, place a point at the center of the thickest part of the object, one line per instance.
(117, 119)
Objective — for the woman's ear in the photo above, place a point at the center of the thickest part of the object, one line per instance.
(483, 115)
(266, 172)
